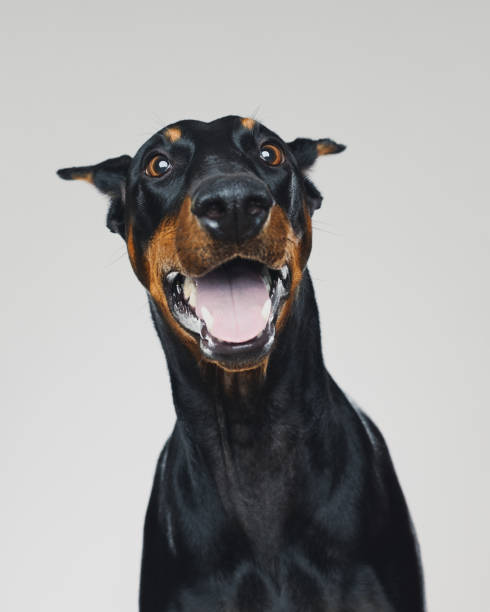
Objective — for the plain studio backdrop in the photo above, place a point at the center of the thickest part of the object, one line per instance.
(400, 263)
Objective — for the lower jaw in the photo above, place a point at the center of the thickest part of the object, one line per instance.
(236, 357)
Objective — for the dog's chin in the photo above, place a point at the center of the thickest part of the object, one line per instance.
(231, 311)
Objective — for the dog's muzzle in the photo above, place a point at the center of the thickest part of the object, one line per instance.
(233, 309)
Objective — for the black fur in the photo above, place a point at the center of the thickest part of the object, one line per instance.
(273, 494)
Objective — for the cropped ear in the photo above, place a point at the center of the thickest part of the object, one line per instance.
(110, 178)
(306, 150)
(312, 195)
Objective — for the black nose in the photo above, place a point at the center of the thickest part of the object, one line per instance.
(233, 207)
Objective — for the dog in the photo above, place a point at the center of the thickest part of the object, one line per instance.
(273, 492)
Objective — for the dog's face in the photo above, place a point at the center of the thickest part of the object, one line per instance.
(217, 221)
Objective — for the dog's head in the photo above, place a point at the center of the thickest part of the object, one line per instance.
(217, 221)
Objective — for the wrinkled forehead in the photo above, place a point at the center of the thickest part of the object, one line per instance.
(223, 138)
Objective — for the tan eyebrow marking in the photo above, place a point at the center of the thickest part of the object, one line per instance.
(173, 133)
(248, 123)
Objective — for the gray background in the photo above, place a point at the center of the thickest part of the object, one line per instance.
(400, 261)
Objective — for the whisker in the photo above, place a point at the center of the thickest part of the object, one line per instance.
(320, 222)
(320, 280)
(256, 112)
(114, 261)
(325, 231)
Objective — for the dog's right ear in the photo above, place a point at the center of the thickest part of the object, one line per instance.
(110, 178)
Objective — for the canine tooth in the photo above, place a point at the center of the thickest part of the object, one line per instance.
(187, 287)
(190, 291)
(284, 272)
(266, 309)
(208, 318)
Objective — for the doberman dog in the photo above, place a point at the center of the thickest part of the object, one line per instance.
(273, 492)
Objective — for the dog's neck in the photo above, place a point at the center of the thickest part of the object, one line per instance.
(251, 428)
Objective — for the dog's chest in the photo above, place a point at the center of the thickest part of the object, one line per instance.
(295, 587)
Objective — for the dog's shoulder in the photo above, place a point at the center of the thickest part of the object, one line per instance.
(370, 429)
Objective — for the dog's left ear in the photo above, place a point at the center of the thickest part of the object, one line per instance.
(110, 178)
(306, 152)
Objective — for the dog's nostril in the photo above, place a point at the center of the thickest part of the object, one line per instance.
(213, 209)
(256, 208)
(216, 211)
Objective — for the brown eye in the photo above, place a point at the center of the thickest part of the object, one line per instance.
(157, 166)
(271, 154)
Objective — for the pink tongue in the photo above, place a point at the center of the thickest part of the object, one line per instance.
(232, 298)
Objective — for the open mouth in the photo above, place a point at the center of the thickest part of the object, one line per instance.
(232, 309)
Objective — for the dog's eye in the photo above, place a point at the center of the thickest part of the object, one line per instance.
(271, 154)
(157, 166)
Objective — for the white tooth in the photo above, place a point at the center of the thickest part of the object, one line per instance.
(266, 310)
(190, 291)
(192, 297)
(208, 318)
(284, 272)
